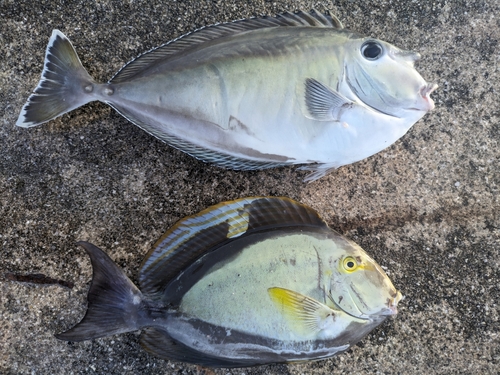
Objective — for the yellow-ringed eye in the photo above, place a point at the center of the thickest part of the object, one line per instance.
(350, 264)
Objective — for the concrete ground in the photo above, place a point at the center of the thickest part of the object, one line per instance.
(427, 208)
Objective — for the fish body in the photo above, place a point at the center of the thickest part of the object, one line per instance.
(253, 94)
(247, 282)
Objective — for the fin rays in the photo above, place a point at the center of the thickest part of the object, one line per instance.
(305, 315)
(60, 88)
(113, 301)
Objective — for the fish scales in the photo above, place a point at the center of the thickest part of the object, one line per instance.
(254, 94)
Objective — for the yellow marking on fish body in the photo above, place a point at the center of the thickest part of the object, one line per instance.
(305, 315)
(238, 225)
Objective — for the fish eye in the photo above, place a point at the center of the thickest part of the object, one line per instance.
(371, 50)
(350, 264)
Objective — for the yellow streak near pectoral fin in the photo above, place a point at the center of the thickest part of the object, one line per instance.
(304, 315)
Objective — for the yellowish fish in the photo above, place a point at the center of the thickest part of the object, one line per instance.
(247, 282)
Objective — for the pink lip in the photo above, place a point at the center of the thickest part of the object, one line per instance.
(425, 92)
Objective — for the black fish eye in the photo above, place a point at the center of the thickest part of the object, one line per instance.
(350, 264)
(371, 50)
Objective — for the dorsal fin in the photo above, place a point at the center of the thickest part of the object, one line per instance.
(212, 32)
(193, 236)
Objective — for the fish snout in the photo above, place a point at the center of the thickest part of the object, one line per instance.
(392, 303)
(425, 92)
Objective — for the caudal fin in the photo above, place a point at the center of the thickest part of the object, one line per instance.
(64, 86)
(114, 302)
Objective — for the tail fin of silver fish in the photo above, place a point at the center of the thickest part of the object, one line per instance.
(63, 86)
(114, 302)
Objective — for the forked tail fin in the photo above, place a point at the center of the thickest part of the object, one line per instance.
(65, 84)
(114, 302)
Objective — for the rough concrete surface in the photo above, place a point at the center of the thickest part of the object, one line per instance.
(427, 208)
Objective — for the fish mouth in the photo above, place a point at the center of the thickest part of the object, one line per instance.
(425, 101)
(392, 304)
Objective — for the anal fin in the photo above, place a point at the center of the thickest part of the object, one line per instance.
(159, 343)
(318, 170)
(218, 158)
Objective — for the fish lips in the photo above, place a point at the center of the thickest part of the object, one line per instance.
(392, 304)
(425, 102)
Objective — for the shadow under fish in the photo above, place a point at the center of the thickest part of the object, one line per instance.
(247, 282)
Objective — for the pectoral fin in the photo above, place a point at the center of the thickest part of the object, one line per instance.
(323, 103)
(305, 315)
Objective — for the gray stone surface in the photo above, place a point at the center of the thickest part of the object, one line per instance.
(427, 208)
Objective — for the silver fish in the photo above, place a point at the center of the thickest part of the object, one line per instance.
(253, 94)
(247, 282)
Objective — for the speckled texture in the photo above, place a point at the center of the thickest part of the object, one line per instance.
(426, 208)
